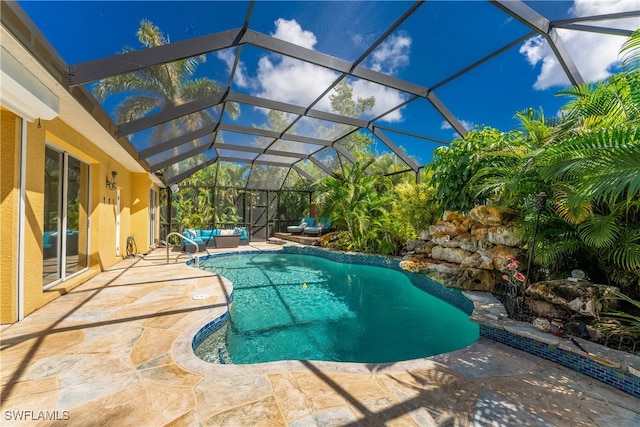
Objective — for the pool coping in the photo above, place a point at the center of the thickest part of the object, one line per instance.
(618, 369)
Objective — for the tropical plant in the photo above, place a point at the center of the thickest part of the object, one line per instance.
(195, 206)
(632, 320)
(588, 162)
(508, 174)
(413, 209)
(455, 166)
(359, 202)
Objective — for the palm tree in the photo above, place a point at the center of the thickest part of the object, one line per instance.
(160, 87)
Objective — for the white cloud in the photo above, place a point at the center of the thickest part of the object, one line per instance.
(392, 54)
(465, 123)
(292, 32)
(386, 99)
(292, 81)
(592, 53)
(240, 77)
(289, 80)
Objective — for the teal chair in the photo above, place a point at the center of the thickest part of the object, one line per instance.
(322, 227)
(304, 224)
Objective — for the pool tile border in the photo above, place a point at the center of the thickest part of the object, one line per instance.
(621, 378)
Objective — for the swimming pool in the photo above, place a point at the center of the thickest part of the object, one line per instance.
(300, 307)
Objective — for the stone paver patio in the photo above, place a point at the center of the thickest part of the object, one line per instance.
(116, 351)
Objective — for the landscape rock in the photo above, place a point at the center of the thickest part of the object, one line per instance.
(467, 242)
(546, 309)
(486, 215)
(414, 264)
(475, 260)
(425, 248)
(500, 255)
(581, 297)
(469, 279)
(413, 244)
(455, 255)
(465, 251)
(445, 241)
(442, 229)
(452, 216)
(504, 236)
(479, 231)
(542, 324)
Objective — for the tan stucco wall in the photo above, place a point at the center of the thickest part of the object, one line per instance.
(134, 213)
(9, 195)
(140, 211)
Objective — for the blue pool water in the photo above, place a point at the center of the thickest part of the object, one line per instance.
(299, 307)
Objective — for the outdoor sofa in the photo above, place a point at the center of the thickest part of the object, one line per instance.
(218, 238)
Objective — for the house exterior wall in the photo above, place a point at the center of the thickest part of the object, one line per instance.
(9, 195)
(134, 210)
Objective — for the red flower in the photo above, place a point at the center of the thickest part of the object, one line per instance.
(519, 276)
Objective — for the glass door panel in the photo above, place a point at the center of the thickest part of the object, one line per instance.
(65, 236)
(52, 225)
(77, 215)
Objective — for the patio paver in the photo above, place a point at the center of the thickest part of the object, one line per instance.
(114, 351)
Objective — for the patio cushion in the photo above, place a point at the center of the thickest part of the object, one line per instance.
(323, 225)
(242, 232)
(306, 222)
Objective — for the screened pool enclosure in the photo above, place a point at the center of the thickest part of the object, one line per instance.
(240, 107)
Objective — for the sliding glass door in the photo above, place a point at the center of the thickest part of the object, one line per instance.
(66, 217)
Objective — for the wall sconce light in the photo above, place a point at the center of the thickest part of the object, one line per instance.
(111, 183)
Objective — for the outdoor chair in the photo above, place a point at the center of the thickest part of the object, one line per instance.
(305, 223)
(323, 226)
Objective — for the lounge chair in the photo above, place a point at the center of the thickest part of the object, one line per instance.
(305, 223)
(323, 226)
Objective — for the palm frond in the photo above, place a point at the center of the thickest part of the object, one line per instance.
(605, 163)
(568, 205)
(630, 52)
(136, 107)
(600, 231)
(626, 252)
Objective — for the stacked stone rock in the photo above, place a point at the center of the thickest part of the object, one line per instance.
(468, 252)
(465, 251)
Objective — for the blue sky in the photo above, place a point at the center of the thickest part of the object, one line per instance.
(441, 38)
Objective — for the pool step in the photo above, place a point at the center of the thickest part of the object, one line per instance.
(277, 241)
